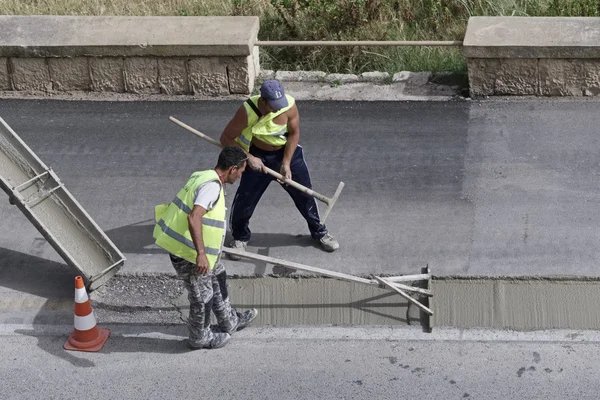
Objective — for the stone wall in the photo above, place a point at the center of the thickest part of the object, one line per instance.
(533, 56)
(211, 56)
(539, 77)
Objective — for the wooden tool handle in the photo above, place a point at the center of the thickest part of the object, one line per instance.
(269, 171)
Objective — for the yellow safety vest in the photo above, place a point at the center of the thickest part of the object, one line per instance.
(172, 231)
(265, 129)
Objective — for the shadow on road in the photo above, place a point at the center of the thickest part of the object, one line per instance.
(51, 286)
(137, 239)
(35, 275)
(53, 319)
(116, 343)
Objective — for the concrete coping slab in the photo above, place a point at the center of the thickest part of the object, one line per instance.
(70, 36)
(532, 37)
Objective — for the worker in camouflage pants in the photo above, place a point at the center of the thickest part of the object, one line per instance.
(192, 229)
(206, 292)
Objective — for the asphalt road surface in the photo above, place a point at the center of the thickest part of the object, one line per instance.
(489, 188)
(299, 363)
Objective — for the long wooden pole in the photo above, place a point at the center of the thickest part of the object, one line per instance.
(269, 171)
(298, 266)
(320, 271)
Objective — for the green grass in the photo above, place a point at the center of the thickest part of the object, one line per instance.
(334, 20)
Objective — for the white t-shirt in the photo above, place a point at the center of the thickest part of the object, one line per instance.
(207, 194)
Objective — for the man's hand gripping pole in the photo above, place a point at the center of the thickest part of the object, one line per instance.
(327, 200)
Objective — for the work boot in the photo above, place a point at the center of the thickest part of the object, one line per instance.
(328, 243)
(245, 318)
(219, 340)
(239, 245)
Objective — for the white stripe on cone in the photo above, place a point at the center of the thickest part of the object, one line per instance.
(85, 323)
(81, 295)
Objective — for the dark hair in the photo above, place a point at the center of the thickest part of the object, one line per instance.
(231, 156)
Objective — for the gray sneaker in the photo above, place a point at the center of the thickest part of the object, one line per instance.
(245, 318)
(219, 340)
(239, 245)
(328, 243)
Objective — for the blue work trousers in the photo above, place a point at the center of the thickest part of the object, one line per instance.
(253, 184)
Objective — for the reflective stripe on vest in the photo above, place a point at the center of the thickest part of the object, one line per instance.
(172, 228)
(205, 219)
(245, 141)
(180, 238)
(183, 207)
(264, 129)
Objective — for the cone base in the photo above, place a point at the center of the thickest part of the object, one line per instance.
(91, 346)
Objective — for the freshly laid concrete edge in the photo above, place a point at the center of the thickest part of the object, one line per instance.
(168, 272)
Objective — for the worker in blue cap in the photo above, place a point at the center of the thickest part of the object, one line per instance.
(267, 128)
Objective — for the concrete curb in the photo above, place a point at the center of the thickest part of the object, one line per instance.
(326, 333)
(320, 76)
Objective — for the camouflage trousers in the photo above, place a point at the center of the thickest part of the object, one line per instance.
(205, 293)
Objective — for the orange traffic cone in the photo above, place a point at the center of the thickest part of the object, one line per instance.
(86, 336)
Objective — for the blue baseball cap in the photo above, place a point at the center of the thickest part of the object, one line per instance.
(272, 91)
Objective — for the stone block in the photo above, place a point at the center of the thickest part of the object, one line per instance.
(300, 76)
(418, 78)
(30, 74)
(107, 74)
(4, 75)
(482, 75)
(591, 77)
(503, 76)
(69, 73)
(569, 77)
(126, 36)
(208, 76)
(141, 75)
(341, 78)
(266, 74)
(241, 73)
(256, 60)
(560, 77)
(517, 77)
(532, 37)
(401, 76)
(173, 75)
(374, 76)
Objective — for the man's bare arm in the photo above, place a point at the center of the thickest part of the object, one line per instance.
(235, 127)
(195, 224)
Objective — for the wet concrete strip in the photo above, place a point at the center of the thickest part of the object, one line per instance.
(519, 304)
